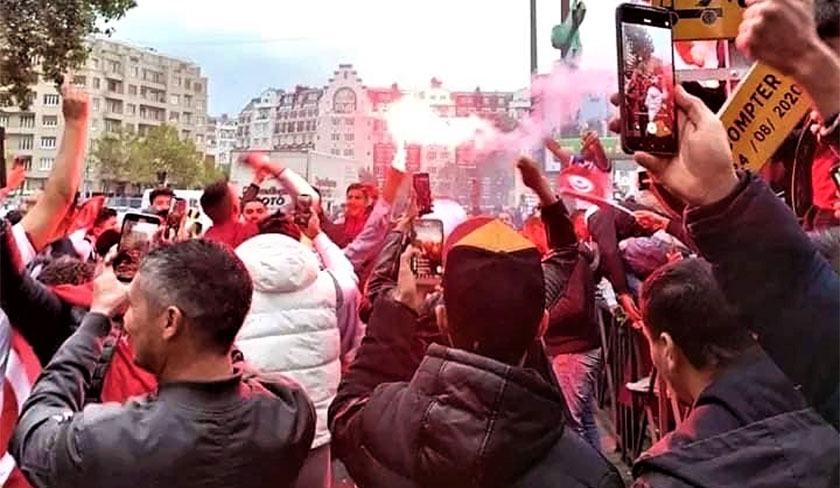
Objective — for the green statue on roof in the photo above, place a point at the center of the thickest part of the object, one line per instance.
(566, 36)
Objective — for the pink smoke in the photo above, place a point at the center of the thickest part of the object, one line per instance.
(556, 98)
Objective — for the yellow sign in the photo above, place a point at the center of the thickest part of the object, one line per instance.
(704, 19)
(760, 114)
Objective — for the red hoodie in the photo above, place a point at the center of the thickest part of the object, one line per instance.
(124, 379)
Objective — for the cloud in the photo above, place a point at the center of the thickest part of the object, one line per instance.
(253, 44)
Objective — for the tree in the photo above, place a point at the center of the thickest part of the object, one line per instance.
(127, 158)
(113, 153)
(50, 35)
(162, 150)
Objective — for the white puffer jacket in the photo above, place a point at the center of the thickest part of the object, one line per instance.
(292, 326)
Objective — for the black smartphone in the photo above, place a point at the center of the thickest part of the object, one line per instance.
(3, 181)
(175, 217)
(428, 237)
(138, 236)
(422, 193)
(303, 210)
(646, 79)
(835, 176)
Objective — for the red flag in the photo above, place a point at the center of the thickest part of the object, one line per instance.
(584, 183)
(22, 369)
(86, 213)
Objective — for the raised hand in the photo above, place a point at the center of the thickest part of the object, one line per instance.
(702, 172)
(75, 104)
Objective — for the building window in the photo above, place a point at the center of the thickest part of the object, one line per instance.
(115, 66)
(112, 125)
(335, 152)
(4, 120)
(94, 125)
(187, 83)
(95, 62)
(51, 100)
(175, 99)
(187, 118)
(348, 121)
(130, 109)
(49, 121)
(48, 143)
(197, 87)
(79, 80)
(96, 104)
(46, 164)
(187, 101)
(348, 152)
(96, 83)
(174, 116)
(27, 121)
(25, 143)
(132, 90)
(114, 86)
(135, 72)
(335, 137)
(349, 137)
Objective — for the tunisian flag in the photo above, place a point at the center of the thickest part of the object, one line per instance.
(22, 369)
(586, 183)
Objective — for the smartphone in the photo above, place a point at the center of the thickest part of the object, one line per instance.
(175, 217)
(3, 181)
(428, 237)
(835, 176)
(422, 193)
(646, 79)
(303, 210)
(136, 240)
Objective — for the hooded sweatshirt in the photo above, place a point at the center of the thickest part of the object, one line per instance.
(292, 327)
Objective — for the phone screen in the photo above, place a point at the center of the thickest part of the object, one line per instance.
(138, 235)
(428, 237)
(303, 210)
(423, 193)
(3, 181)
(646, 76)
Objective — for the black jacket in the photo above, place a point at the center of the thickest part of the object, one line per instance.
(749, 428)
(241, 432)
(456, 420)
(783, 290)
(569, 288)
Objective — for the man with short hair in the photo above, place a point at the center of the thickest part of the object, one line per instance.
(474, 413)
(356, 213)
(161, 201)
(220, 203)
(254, 211)
(748, 426)
(209, 425)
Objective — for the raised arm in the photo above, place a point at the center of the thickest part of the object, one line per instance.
(44, 220)
(369, 240)
(784, 291)
(48, 442)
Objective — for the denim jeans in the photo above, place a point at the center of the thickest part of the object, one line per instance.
(576, 374)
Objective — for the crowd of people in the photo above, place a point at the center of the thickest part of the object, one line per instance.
(280, 343)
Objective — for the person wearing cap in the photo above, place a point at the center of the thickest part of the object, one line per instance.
(482, 407)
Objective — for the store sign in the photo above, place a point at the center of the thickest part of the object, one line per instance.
(760, 114)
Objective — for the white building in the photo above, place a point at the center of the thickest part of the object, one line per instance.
(257, 121)
(221, 139)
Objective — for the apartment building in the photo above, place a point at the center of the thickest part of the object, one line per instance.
(220, 139)
(130, 87)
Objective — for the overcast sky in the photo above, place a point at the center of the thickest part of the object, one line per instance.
(244, 46)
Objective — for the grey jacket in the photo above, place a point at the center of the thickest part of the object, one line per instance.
(239, 432)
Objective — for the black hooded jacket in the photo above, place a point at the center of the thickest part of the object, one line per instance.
(456, 420)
